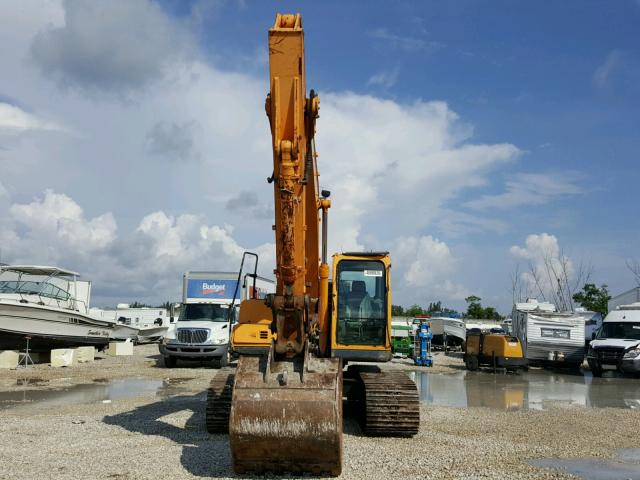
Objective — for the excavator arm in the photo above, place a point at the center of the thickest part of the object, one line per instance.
(292, 118)
(286, 407)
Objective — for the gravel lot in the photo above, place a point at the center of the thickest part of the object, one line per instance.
(162, 435)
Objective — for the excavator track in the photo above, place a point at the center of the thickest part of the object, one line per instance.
(219, 395)
(391, 404)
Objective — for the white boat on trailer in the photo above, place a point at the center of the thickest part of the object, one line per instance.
(448, 332)
(50, 306)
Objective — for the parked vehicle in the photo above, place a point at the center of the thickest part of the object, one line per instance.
(206, 316)
(592, 322)
(616, 344)
(548, 337)
(494, 350)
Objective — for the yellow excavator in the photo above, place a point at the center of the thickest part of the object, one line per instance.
(283, 404)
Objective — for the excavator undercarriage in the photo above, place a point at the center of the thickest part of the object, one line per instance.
(287, 415)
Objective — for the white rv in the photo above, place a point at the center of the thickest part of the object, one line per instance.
(549, 337)
(207, 315)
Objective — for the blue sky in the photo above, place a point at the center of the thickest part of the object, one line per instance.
(536, 113)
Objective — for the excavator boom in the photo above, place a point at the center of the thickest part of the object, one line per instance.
(286, 410)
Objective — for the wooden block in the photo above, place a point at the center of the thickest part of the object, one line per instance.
(63, 357)
(85, 354)
(117, 349)
(9, 359)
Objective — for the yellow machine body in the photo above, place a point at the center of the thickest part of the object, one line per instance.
(252, 333)
(497, 350)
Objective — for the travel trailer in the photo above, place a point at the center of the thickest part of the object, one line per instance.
(549, 337)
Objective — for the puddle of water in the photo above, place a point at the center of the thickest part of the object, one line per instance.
(532, 390)
(88, 393)
(623, 465)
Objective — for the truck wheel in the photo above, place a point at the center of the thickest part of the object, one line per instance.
(472, 362)
(221, 362)
(224, 360)
(170, 362)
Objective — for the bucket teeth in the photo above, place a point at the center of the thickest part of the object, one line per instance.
(287, 427)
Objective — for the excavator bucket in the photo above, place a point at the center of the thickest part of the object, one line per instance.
(286, 416)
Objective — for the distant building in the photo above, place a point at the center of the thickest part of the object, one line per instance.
(626, 298)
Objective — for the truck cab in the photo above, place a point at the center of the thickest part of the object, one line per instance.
(206, 316)
(201, 333)
(616, 344)
(209, 310)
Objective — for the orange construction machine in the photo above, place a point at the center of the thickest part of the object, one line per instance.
(282, 406)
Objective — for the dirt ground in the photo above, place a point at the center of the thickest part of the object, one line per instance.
(57, 423)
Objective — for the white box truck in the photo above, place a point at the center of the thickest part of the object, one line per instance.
(207, 315)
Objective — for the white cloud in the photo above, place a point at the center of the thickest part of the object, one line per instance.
(530, 189)
(57, 222)
(537, 247)
(426, 265)
(387, 163)
(548, 274)
(115, 45)
(392, 167)
(385, 79)
(146, 263)
(606, 68)
(14, 119)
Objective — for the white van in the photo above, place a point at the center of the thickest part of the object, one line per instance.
(616, 344)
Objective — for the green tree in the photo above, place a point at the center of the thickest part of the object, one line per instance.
(593, 298)
(435, 307)
(397, 311)
(415, 310)
(474, 307)
(475, 310)
(491, 313)
(138, 304)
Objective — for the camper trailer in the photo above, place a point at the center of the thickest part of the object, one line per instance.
(548, 337)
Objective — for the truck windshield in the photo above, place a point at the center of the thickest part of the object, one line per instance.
(627, 330)
(203, 312)
(362, 293)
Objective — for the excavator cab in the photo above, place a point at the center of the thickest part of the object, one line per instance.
(361, 313)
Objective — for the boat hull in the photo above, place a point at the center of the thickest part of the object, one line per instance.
(452, 329)
(48, 328)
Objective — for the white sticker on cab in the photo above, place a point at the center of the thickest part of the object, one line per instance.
(373, 273)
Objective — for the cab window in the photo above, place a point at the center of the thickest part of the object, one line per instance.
(361, 302)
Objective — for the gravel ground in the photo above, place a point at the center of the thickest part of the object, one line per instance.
(163, 436)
